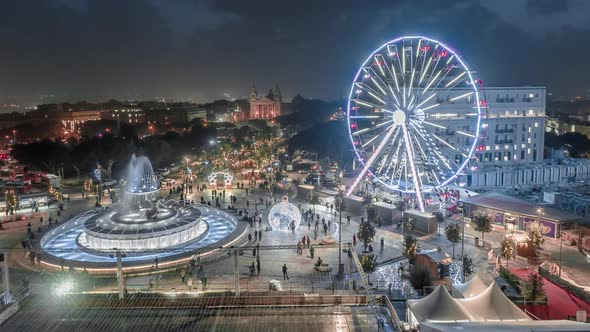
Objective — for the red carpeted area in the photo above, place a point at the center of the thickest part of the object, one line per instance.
(560, 303)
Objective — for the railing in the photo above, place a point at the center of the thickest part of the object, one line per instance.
(397, 322)
(504, 130)
(580, 292)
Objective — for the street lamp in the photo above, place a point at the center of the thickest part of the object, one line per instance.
(13, 136)
(560, 249)
(340, 199)
(462, 209)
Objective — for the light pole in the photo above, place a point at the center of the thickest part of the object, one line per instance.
(340, 200)
(462, 243)
(13, 136)
(560, 249)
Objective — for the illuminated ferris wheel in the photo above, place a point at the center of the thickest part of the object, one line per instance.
(415, 116)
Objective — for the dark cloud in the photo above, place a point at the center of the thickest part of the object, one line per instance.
(546, 7)
(201, 49)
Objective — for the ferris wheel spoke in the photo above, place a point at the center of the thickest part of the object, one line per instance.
(454, 82)
(415, 132)
(434, 125)
(395, 159)
(373, 140)
(374, 93)
(366, 103)
(371, 159)
(392, 51)
(413, 168)
(432, 76)
(461, 96)
(365, 116)
(369, 129)
(444, 142)
(386, 160)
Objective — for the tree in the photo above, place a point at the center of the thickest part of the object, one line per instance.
(533, 288)
(368, 263)
(366, 233)
(313, 199)
(55, 194)
(507, 247)
(411, 247)
(536, 233)
(367, 200)
(483, 224)
(371, 214)
(409, 225)
(468, 267)
(12, 201)
(420, 277)
(88, 185)
(453, 232)
(440, 218)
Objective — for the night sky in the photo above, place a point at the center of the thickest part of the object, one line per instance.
(202, 49)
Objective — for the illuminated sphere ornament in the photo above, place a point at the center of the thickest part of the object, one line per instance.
(284, 215)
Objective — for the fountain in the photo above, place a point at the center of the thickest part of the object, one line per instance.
(141, 224)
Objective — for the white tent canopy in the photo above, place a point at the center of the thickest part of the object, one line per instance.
(470, 288)
(521, 326)
(437, 306)
(441, 307)
(492, 304)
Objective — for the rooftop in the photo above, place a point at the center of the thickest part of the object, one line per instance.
(496, 200)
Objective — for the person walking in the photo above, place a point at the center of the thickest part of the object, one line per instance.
(285, 276)
(182, 275)
(382, 243)
(258, 267)
(354, 239)
(311, 251)
(189, 283)
(260, 236)
(250, 237)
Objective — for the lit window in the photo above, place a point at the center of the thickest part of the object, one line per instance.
(506, 147)
(488, 148)
(531, 95)
(529, 129)
(529, 151)
(528, 140)
(536, 125)
(523, 145)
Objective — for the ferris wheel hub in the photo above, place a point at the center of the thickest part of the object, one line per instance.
(399, 117)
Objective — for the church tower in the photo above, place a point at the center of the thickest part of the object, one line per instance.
(253, 93)
(277, 94)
